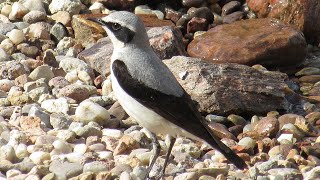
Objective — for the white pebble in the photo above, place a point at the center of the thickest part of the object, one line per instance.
(72, 77)
(7, 153)
(62, 146)
(56, 105)
(247, 142)
(12, 172)
(39, 157)
(112, 133)
(74, 157)
(286, 137)
(125, 176)
(16, 36)
(21, 151)
(104, 155)
(88, 111)
(18, 11)
(6, 10)
(80, 148)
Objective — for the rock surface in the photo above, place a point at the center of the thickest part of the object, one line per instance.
(304, 15)
(263, 41)
(230, 88)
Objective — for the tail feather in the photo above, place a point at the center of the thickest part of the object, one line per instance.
(216, 143)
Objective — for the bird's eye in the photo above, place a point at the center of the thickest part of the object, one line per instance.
(116, 26)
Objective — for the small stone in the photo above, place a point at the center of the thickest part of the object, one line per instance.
(34, 16)
(18, 11)
(77, 92)
(31, 124)
(12, 70)
(95, 166)
(6, 10)
(7, 153)
(6, 84)
(267, 126)
(58, 31)
(87, 131)
(71, 6)
(60, 121)
(38, 112)
(34, 5)
(247, 142)
(43, 71)
(286, 173)
(237, 120)
(192, 3)
(62, 147)
(88, 111)
(230, 7)
(65, 169)
(21, 151)
(39, 157)
(126, 144)
(221, 131)
(112, 133)
(197, 24)
(56, 105)
(62, 17)
(37, 31)
(3, 55)
(80, 148)
(282, 149)
(16, 36)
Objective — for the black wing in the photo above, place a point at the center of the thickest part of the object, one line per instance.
(178, 110)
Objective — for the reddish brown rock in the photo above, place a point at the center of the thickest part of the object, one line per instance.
(267, 126)
(255, 41)
(221, 131)
(303, 14)
(76, 92)
(98, 56)
(31, 124)
(126, 144)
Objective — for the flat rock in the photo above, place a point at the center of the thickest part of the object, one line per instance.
(229, 88)
(254, 41)
(304, 15)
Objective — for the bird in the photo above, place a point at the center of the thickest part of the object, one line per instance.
(149, 92)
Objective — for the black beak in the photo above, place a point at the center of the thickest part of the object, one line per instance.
(96, 20)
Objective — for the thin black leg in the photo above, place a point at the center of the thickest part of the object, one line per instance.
(156, 148)
(172, 141)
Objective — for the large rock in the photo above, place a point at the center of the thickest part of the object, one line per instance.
(230, 88)
(166, 41)
(255, 41)
(305, 15)
(98, 56)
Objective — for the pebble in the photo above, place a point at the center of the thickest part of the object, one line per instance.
(247, 142)
(65, 169)
(71, 6)
(17, 11)
(34, 16)
(88, 111)
(56, 105)
(58, 31)
(3, 55)
(39, 157)
(16, 36)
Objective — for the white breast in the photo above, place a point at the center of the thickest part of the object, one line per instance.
(146, 117)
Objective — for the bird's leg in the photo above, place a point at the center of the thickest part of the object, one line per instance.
(156, 148)
(172, 141)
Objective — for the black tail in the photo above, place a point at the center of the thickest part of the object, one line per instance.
(215, 142)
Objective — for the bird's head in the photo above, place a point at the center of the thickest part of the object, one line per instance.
(124, 28)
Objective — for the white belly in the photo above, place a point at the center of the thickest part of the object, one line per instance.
(146, 117)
